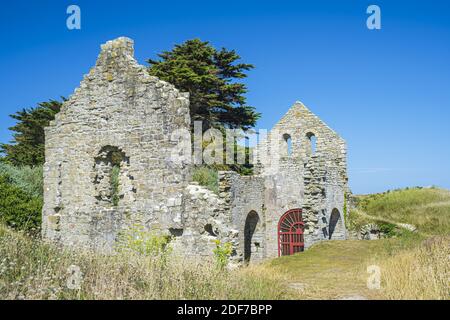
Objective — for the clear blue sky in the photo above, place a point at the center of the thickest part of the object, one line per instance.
(386, 92)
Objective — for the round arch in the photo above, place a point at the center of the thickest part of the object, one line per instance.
(251, 236)
(290, 233)
(335, 225)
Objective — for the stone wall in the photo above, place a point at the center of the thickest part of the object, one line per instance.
(245, 195)
(119, 117)
(206, 219)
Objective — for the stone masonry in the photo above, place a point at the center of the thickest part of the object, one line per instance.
(109, 166)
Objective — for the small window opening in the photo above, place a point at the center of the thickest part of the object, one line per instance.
(176, 232)
(109, 166)
(288, 142)
(313, 142)
(209, 229)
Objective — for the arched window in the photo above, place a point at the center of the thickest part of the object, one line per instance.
(251, 235)
(288, 144)
(312, 142)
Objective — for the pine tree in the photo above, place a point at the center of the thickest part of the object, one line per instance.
(28, 144)
(210, 76)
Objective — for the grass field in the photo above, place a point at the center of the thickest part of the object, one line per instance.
(31, 269)
(338, 269)
(413, 265)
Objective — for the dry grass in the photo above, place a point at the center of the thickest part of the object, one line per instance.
(419, 273)
(338, 269)
(410, 267)
(328, 270)
(30, 269)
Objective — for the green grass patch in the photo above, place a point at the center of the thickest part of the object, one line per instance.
(426, 208)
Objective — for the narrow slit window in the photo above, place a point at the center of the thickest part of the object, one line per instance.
(288, 144)
(313, 142)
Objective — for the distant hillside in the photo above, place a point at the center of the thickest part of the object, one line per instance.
(428, 209)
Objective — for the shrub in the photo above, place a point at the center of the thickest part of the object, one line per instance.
(206, 177)
(18, 209)
(139, 241)
(389, 229)
(21, 190)
(222, 253)
(29, 179)
(355, 220)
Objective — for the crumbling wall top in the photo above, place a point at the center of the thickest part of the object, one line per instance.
(117, 49)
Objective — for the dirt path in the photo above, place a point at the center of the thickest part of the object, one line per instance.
(406, 226)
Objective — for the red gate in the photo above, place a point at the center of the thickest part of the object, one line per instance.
(290, 233)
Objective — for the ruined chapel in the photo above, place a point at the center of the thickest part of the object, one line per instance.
(117, 132)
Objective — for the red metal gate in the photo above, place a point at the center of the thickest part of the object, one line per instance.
(290, 233)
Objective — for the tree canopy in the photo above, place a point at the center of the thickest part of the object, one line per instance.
(211, 78)
(28, 143)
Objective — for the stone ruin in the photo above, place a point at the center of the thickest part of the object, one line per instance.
(108, 168)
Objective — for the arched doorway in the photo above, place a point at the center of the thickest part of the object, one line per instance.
(335, 227)
(251, 236)
(290, 233)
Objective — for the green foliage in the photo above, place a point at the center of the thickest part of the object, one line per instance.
(389, 229)
(27, 146)
(21, 196)
(139, 241)
(222, 253)
(345, 209)
(210, 76)
(206, 177)
(19, 209)
(355, 220)
(239, 152)
(115, 185)
(28, 179)
(245, 169)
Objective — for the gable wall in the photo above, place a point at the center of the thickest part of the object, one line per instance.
(119, 105)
